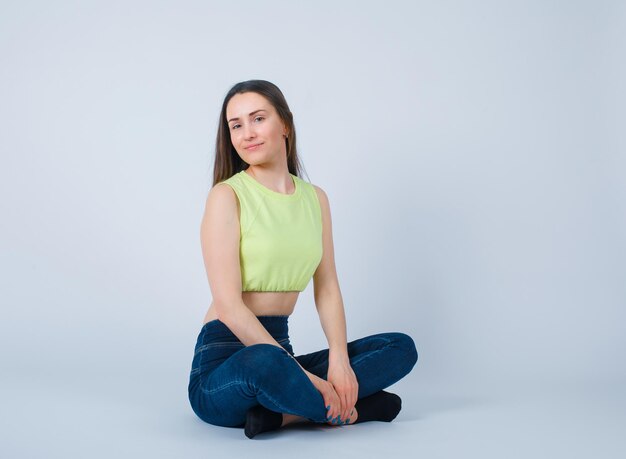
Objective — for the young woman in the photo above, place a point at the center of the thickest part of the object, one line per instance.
(265, 233)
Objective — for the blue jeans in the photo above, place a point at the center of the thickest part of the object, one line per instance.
(227, 377)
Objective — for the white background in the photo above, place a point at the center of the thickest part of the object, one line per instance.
(474, 158)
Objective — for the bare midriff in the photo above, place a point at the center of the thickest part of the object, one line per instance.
(263, 304)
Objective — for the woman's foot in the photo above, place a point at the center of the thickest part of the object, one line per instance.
(340, 422)
(292, 419)
(380, 406)
(260, 419)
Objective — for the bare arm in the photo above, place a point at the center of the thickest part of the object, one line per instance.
(329, 304)
(333, 319)
(328, 300)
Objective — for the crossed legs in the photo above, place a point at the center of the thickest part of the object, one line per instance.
(266, 375)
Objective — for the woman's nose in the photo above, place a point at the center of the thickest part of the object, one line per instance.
(248, 132)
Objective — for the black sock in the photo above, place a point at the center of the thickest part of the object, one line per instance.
(260, 419)
(380, 406)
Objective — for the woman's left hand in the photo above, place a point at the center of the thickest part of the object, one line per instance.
(343, 379)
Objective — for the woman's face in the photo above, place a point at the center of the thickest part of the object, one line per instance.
(253, 120)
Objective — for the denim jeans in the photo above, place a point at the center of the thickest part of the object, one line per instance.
(227, 377)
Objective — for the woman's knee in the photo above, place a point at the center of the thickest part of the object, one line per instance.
(405, 343)
(211, 411)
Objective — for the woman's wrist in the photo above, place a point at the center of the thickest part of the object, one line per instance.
(338, 357)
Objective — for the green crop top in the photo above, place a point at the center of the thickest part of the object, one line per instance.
(280, 243)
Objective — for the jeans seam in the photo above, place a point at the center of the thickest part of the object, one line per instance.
(216, 389)
(371, 354)
(282, 410)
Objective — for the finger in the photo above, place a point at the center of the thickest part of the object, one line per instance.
(337, 405)
(343, 406)
(340, 411)
(330, 415)
(348, 408)
(351, 402)
(332, 402)
(328, 405)
(336, 408)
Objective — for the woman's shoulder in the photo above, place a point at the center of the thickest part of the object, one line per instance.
(235, 178)
(226, 192)
(318, 189)
(231, 185)
(321, 195)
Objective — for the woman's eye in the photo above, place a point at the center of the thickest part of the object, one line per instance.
(235, 125)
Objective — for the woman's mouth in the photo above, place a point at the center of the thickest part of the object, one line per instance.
(254, 147)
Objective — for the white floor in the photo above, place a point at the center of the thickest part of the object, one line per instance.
(113, 417)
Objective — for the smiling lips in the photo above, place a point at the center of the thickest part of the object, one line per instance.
(254, 147)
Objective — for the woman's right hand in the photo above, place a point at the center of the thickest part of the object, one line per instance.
(329, 394)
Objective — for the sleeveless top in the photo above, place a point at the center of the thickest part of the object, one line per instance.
(280, 243)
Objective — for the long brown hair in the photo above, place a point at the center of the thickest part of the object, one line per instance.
(227, 161)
